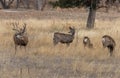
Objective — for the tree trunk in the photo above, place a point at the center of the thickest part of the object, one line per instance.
(17, 3)
(27, 2)
(91, 18)
(5, 4)
(43, 5)
(117, 5)
(40, 4)
(92, 14)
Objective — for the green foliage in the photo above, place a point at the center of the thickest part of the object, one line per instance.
(67, 3)
(54, 4)
(75, 3)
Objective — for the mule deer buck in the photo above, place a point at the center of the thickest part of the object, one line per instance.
(64, 38)
(20, 37)
(108, 42)
(87, 42)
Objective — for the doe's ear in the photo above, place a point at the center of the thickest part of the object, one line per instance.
(70, 27)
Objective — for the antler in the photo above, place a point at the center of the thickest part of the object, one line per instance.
(15, 26)
(24, 28)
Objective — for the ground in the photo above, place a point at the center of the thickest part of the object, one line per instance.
(44, 60)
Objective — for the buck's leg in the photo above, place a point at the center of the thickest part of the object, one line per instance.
(15, 49)
(20, 72)
(29, 72)
(25, 48)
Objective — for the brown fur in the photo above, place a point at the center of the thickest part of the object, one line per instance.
(64, 38)
(20, 37)
(108, 42)
(87, 42)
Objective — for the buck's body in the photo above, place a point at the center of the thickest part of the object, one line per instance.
(21, 40)
(108, 42)
(64, 38)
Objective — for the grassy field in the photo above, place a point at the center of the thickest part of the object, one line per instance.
(47, 61)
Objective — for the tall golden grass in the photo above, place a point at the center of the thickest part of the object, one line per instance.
(82, 62)
(40, 34)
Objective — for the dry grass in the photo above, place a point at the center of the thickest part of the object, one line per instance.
(40, 34)
(60, 61)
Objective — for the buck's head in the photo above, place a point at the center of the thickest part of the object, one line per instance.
(18, 30)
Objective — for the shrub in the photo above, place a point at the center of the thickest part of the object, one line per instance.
(67, 3)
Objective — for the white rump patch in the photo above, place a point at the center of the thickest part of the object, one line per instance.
(85, 39)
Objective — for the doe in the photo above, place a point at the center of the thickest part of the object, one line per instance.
(108, 42)
(64, 38)
(87, 42)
